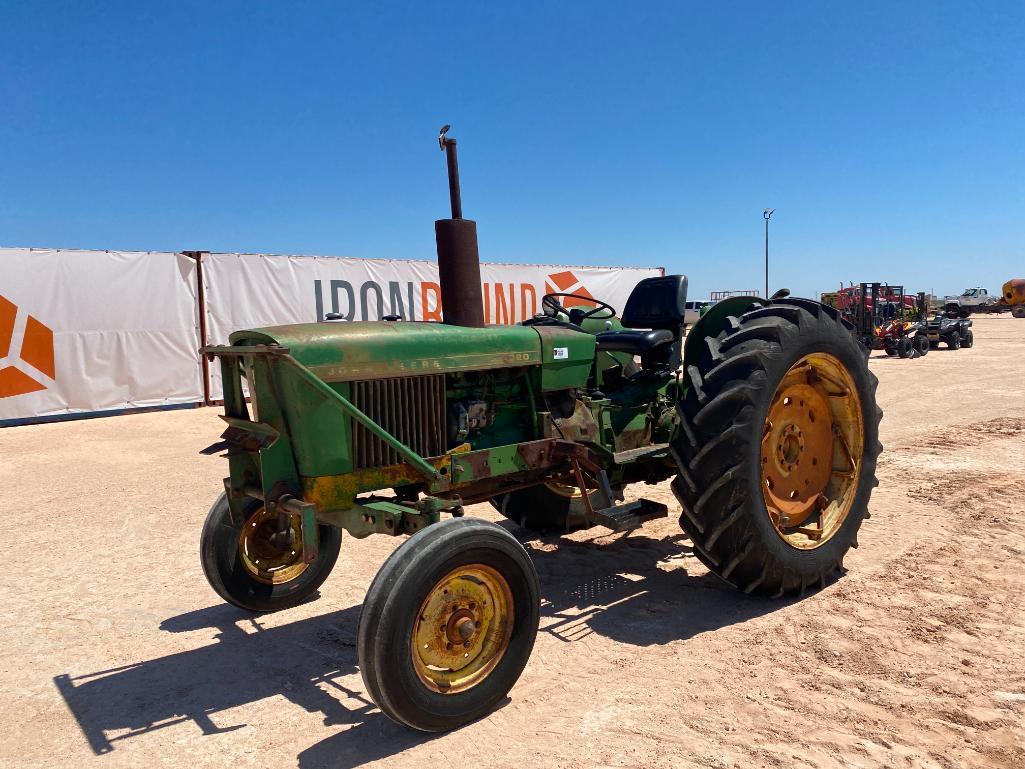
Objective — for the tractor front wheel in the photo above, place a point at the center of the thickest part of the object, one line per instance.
(777, 447)
(448, 624)
(257, 567)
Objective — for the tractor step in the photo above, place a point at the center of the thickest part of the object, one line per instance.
(630, 515)
(644, 452)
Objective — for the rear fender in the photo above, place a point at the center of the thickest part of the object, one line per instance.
(712, 323)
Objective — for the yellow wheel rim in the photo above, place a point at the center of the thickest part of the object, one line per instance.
(811, 451)
(463, 629)
(268, 556)
(567, 490)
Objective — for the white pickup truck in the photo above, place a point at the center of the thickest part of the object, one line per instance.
(971, 299)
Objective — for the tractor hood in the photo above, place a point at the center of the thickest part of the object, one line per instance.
(346, 352)
(343, 352)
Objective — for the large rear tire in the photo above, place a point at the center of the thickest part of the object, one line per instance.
(777, 447)
(1018, 311)
(448, 624)
(245, 566)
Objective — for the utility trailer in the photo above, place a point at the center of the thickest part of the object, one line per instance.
(764, 418)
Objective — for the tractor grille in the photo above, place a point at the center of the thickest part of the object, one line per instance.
(410, 408)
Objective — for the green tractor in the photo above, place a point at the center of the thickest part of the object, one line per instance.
(764, 415)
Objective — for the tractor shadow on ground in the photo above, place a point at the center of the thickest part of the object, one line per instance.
(634, 589)
(301, 662)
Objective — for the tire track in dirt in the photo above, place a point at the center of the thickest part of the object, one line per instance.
(966, 435)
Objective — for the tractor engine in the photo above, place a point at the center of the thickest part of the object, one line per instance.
(488, 408)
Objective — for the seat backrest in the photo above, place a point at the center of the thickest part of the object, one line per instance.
(657, 303)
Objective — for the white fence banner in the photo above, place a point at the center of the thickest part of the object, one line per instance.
(254, 290)
(89, 331)
(85, 331)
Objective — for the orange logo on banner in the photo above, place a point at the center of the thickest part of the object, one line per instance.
(36, 353)
(566, 283)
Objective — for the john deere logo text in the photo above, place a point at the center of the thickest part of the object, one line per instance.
(26, 352)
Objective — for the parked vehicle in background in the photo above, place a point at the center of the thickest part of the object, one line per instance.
(953, 332)
(903, 338)
(976, 300)
(971, 299)
(848, 299)
(694, 311)
(885, 318)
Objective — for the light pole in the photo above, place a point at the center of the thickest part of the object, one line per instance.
(767, 213)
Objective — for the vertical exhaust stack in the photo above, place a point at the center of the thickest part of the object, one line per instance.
(458, 260)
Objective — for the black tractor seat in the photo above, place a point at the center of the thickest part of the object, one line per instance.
(633, 342)
(656, 309)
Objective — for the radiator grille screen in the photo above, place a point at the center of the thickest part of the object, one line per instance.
(410, 408)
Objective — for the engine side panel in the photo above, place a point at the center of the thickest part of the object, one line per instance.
(567, 357)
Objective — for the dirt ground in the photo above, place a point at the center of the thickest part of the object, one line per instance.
(114, 652)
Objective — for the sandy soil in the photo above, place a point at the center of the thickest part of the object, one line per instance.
(114, 652)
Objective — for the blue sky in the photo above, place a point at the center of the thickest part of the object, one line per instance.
(889, 137)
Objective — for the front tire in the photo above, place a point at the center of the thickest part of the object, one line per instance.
(954, 341)
(905, 347)
(922, 345)
(448, 624)
(969, 339)
(247, 570)
(777, 447)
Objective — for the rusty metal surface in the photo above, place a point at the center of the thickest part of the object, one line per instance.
(459, 272)
(580, 426)
(448, 146)
(811, 448)
(269, 553)
(343, 352)
(463, 629)
(634, 439)
(797, 452)
(536, 454)
(476, 474)
(1013, 292)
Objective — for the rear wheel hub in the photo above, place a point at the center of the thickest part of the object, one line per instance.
(812, 439)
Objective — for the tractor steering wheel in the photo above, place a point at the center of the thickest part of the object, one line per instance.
(551, 306)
